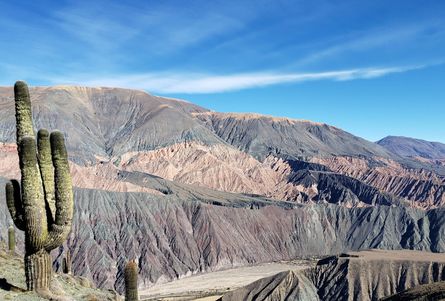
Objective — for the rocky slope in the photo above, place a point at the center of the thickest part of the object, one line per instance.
(354, 182)
(178, 234)
(262, 135)
(431, 291)
(70, 288)
(371, 275)
(415, 148)
(213, 285)
(280, 287)
(103, 122)
(368, 275)
(224, 168)
(420, 188)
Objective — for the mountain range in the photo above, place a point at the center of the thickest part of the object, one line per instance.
(184, 189)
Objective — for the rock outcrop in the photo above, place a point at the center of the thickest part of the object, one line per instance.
(431, 291)
(281, 287)
(372, 275)
(219, 167)
(356, 276)
(419, 188)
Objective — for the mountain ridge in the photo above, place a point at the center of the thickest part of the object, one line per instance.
(112, 130)
(413, 147)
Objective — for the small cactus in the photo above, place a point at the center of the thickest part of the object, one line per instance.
(11, 239)
(66, 265)
(131, 281)
(42, 205)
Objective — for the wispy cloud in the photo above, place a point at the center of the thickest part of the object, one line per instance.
(157, 28)
(171, 83)
(370, 40)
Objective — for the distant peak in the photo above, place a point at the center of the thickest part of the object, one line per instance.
(393, 138)
(413, 148)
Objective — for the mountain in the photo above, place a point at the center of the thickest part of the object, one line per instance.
(412, 148)
(186, 190)
(261, 136)
(110, 122)
(106, 122)
(112, 130)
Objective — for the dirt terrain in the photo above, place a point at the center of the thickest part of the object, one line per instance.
(71, 288)
(217, 283)
(355, 276)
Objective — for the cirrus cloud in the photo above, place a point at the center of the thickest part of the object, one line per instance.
(178, 82)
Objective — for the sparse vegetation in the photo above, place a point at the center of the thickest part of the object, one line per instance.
(12, 281)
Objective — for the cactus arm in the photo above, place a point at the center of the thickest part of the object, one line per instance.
(36, 227)
(23, 113)
(47, 172)
(14, 202)
(60, 229)
(11, 239)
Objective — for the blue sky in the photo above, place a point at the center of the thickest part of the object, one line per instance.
(374, 68)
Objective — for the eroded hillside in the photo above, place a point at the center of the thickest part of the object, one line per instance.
(366, 275)
(186, 190)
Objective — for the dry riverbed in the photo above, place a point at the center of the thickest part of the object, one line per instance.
(210, 286)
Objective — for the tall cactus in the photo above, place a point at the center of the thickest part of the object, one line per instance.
(43, 205)
(11, 239)
(131, 281)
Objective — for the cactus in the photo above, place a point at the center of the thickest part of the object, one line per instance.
(131, 281)
(42, 205)
(66, 265)
(11, 239)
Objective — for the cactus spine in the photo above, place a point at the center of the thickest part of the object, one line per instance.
(66, 266)
(131, 281)
(11, 239)
(42, 205)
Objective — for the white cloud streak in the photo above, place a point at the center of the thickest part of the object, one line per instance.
(371, 40)
(171, 83)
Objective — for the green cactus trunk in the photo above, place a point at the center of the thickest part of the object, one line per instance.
(42, 205)
(38, 271)
(131, 281)
(11, 239)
